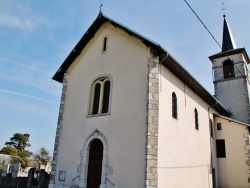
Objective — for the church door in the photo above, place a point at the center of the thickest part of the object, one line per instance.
(95, 164)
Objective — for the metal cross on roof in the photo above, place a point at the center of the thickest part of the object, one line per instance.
(223, 9)
(101, 7)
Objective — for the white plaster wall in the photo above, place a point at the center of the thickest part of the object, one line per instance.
(184, 153)
(125, 128)
(232, 169)
(214, 154)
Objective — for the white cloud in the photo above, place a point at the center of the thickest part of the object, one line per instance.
(12, 21)
(21, 17)
(9, 21)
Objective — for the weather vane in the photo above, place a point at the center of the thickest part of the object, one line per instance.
(100, 8)
(223, 9)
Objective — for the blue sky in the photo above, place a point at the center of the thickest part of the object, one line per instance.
(36, 36)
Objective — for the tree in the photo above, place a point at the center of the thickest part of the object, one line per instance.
(16, 159)
(17, 156)
(9, 150)
(16, 149)
(19, 141)
(24, 154)
(42, 157)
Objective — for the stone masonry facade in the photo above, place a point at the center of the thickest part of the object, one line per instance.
(58, 130)
(151, 179)
(247, 149)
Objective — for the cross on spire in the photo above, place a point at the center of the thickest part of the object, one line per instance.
(223, 9)
(100, 8)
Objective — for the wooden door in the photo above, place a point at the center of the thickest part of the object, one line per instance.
(95, 164)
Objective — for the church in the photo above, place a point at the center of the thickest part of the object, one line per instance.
(131, 116)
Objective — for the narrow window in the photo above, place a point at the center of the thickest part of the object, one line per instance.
(221, 148)
(228, 69)
(196, 119)
(219, 126)
(174, 105)
(96, 98)
(104, 48)
(100, 96)
(211, 128)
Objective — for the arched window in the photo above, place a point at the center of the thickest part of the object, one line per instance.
(174, 105)
(228, 69)
(100, 96)
(196, 119)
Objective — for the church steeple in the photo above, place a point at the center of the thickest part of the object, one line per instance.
(231, 80)
(228, 40)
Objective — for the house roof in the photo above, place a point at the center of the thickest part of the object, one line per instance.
(99, 21)
(165, 58)
(233, 120)
(231, 52)
(192, 83)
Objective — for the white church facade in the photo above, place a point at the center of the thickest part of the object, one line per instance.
(131, 116)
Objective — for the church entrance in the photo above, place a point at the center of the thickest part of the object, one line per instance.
(95, 164)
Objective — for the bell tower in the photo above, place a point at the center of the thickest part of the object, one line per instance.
(231, 77)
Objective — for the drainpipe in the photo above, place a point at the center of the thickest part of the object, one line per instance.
(210, 139)
(164, 58)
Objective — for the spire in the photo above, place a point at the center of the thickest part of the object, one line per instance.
(228, 40)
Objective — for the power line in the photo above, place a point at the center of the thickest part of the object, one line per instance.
(223, 8)
(203, 24)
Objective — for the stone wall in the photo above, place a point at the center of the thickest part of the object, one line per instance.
(152, 122)
(58, 130)
(247, 148)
